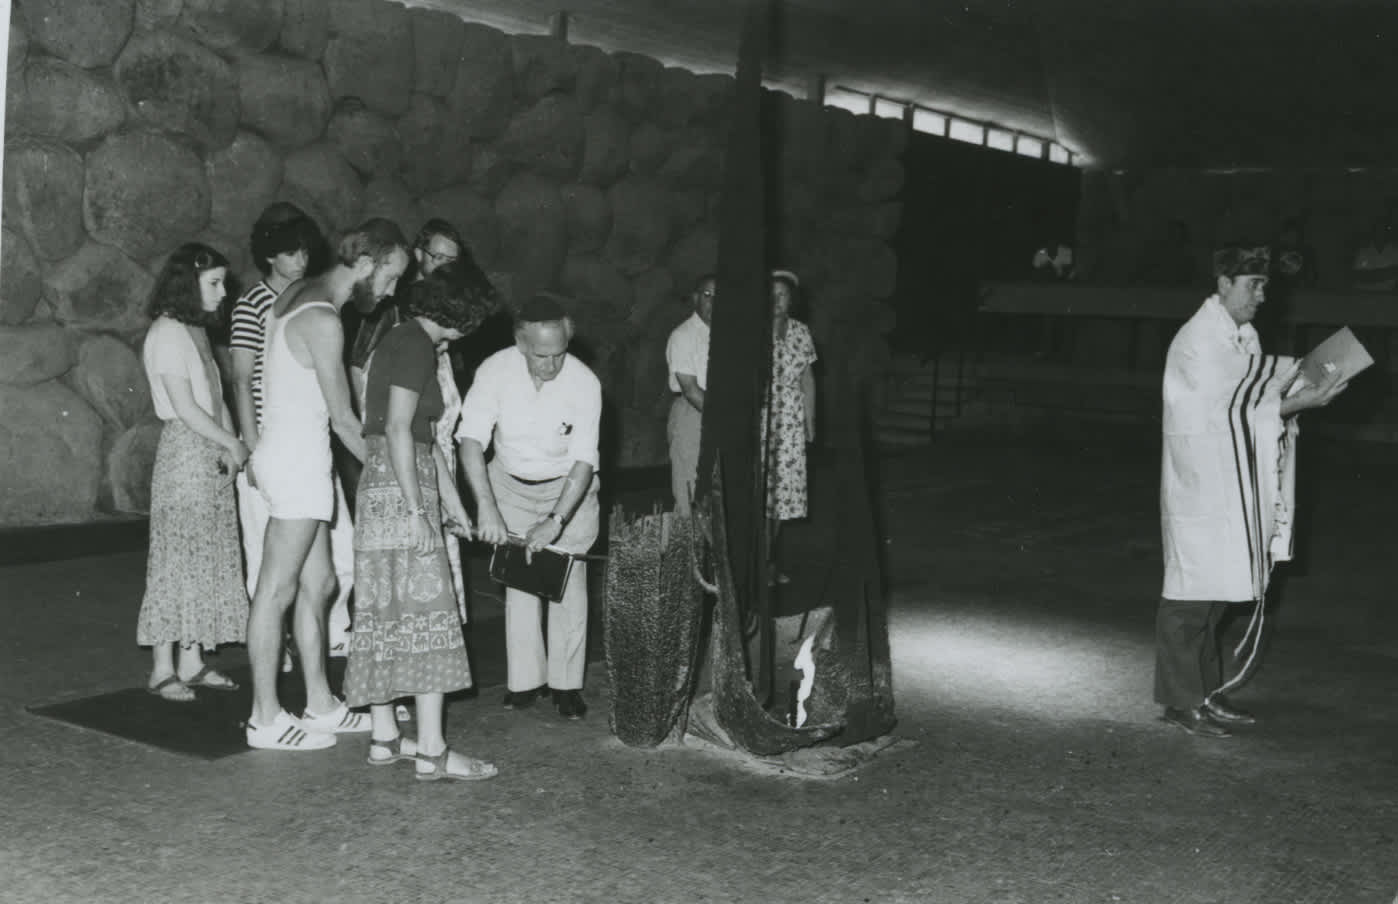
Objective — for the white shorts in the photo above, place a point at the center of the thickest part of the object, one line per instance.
(297, 485)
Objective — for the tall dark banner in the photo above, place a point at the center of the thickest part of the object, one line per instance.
(741, 337)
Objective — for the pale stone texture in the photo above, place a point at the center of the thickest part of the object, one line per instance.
(112, 379)
(693, 162)
(589, 216)
(598, 287)
(370, 54)
(86, 33)
(243, 179)
(597, 76)
(35, 353)
(99, 287)
(638, 84)
(473, 216)
(543, 65)
(286, 100)
(144, 193)
(21, 281)
(68, 103)
(437, 41)
(44, 195)
(606, 147)
(436, 149)
(305, 28)
(249, 25)
(640, 224)
(130, 465)
(655, 290)
(489, 170)
(177, 84)
(18, 46)
(533, 233)
(321, 176)
(154, 14)
(547, 137)
(50, 441)
(483, 93)
(648, 148)
(693, 255)
(388, 197)
(367, 140)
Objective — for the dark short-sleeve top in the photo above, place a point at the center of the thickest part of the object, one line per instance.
(405, 357)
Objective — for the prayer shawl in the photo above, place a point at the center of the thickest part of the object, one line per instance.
(1227, 477)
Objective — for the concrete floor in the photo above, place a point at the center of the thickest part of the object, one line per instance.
(1024, 573)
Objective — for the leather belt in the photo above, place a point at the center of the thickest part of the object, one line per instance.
(531, 483)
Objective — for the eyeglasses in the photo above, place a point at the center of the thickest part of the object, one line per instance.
(440, 259)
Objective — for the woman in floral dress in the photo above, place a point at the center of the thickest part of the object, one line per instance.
(790, 420)
(195, 598)
(407, 637)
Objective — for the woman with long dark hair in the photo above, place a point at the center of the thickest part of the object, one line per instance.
(194, 599)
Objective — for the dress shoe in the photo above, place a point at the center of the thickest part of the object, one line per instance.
(1195, 721)
(524, 699)
(1221, 710)
(570, 704)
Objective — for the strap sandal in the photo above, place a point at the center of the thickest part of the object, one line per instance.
(392, 751)
(439, 768)
(215, 681)
(171, 689)
(287, 733)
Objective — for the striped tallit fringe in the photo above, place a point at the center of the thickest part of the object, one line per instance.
(1253, 632)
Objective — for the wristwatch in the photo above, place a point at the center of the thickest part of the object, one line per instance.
(554, 516)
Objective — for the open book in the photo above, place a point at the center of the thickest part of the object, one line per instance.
(1341, 352)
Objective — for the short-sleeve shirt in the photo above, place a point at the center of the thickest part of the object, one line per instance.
(169, 350)
(372, 330)
(539, 433)
(248, 331)
(687, 352)
(405, 357)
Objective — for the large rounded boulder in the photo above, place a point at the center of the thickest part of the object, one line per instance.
(68, 103)
(436, 147)
(35, 353)
(547, 137)
(145, 192)
(44, 196)
(321, 176)
(99, 288)
(21, 280)
(243, 179)
(247, 25)
(640, 224)
(177, 84)
(305, 28)
(86, 33)
(284, 99)
(52, 447)
(370, 54)
(113, 380)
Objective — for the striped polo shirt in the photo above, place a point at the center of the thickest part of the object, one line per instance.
(249, 332)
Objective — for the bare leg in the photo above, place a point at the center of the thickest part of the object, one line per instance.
(313, 596)
(430, 738)
(283, 554)
(162, 661)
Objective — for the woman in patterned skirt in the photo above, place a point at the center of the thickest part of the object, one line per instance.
(407, 637)
(790, 420)
(194, 597)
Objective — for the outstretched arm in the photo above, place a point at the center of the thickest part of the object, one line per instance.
(325, 340)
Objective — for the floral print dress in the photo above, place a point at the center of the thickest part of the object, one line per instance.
(784, 425)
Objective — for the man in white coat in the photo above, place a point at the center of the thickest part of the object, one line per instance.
(1226, 487)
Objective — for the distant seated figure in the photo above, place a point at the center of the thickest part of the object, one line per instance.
(1375, 267)
(1169, 262)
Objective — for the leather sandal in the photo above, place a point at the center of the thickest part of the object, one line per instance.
(169, 688)
(439, 769)
(394, 749)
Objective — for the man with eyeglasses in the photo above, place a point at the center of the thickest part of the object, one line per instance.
(687, 358)
(437, 245)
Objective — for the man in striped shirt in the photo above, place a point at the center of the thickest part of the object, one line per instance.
(283, 242)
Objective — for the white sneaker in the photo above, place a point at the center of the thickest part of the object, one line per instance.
(287, 733)
(340, 720)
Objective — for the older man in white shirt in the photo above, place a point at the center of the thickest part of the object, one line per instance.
(687, 358)
(541, 408)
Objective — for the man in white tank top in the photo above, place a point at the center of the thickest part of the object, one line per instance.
(306, 396)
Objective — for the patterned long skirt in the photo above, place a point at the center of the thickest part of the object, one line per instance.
(194, 568)
(407, 632)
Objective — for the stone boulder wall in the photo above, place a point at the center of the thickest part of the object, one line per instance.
(437, 40)
(35, 353)
(596, 81)
(86, 33)
(305, 28)
(370, 54)
(547, 137)
(543, 65)
(178, 84)
(226, 25)
(436, 146)
(51, 443)
(482, 96)
(145, 193)
(61, 101)
(490, 170)
(388, 197)
(640, 224)
(99, 287)
(110, 376)
(606, 147)
(367, 140)
(637, 85)
(533, 233)
(285, 100)
(21, 280)
(655, 290)
(152, 15)
(243, 179)
(129, 466)
(649, 147)
(601, 292)
(693, 255)
(473, 216)
(18, 46)
(318, 178)
(589, 216)
(44, 195)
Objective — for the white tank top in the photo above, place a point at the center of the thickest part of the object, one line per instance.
(295, 417)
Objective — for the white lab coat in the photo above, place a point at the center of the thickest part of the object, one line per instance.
(1227, 476)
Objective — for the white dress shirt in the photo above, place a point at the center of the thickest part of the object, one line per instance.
(687, 352)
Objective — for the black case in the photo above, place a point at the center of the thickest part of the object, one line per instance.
(546, 576)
